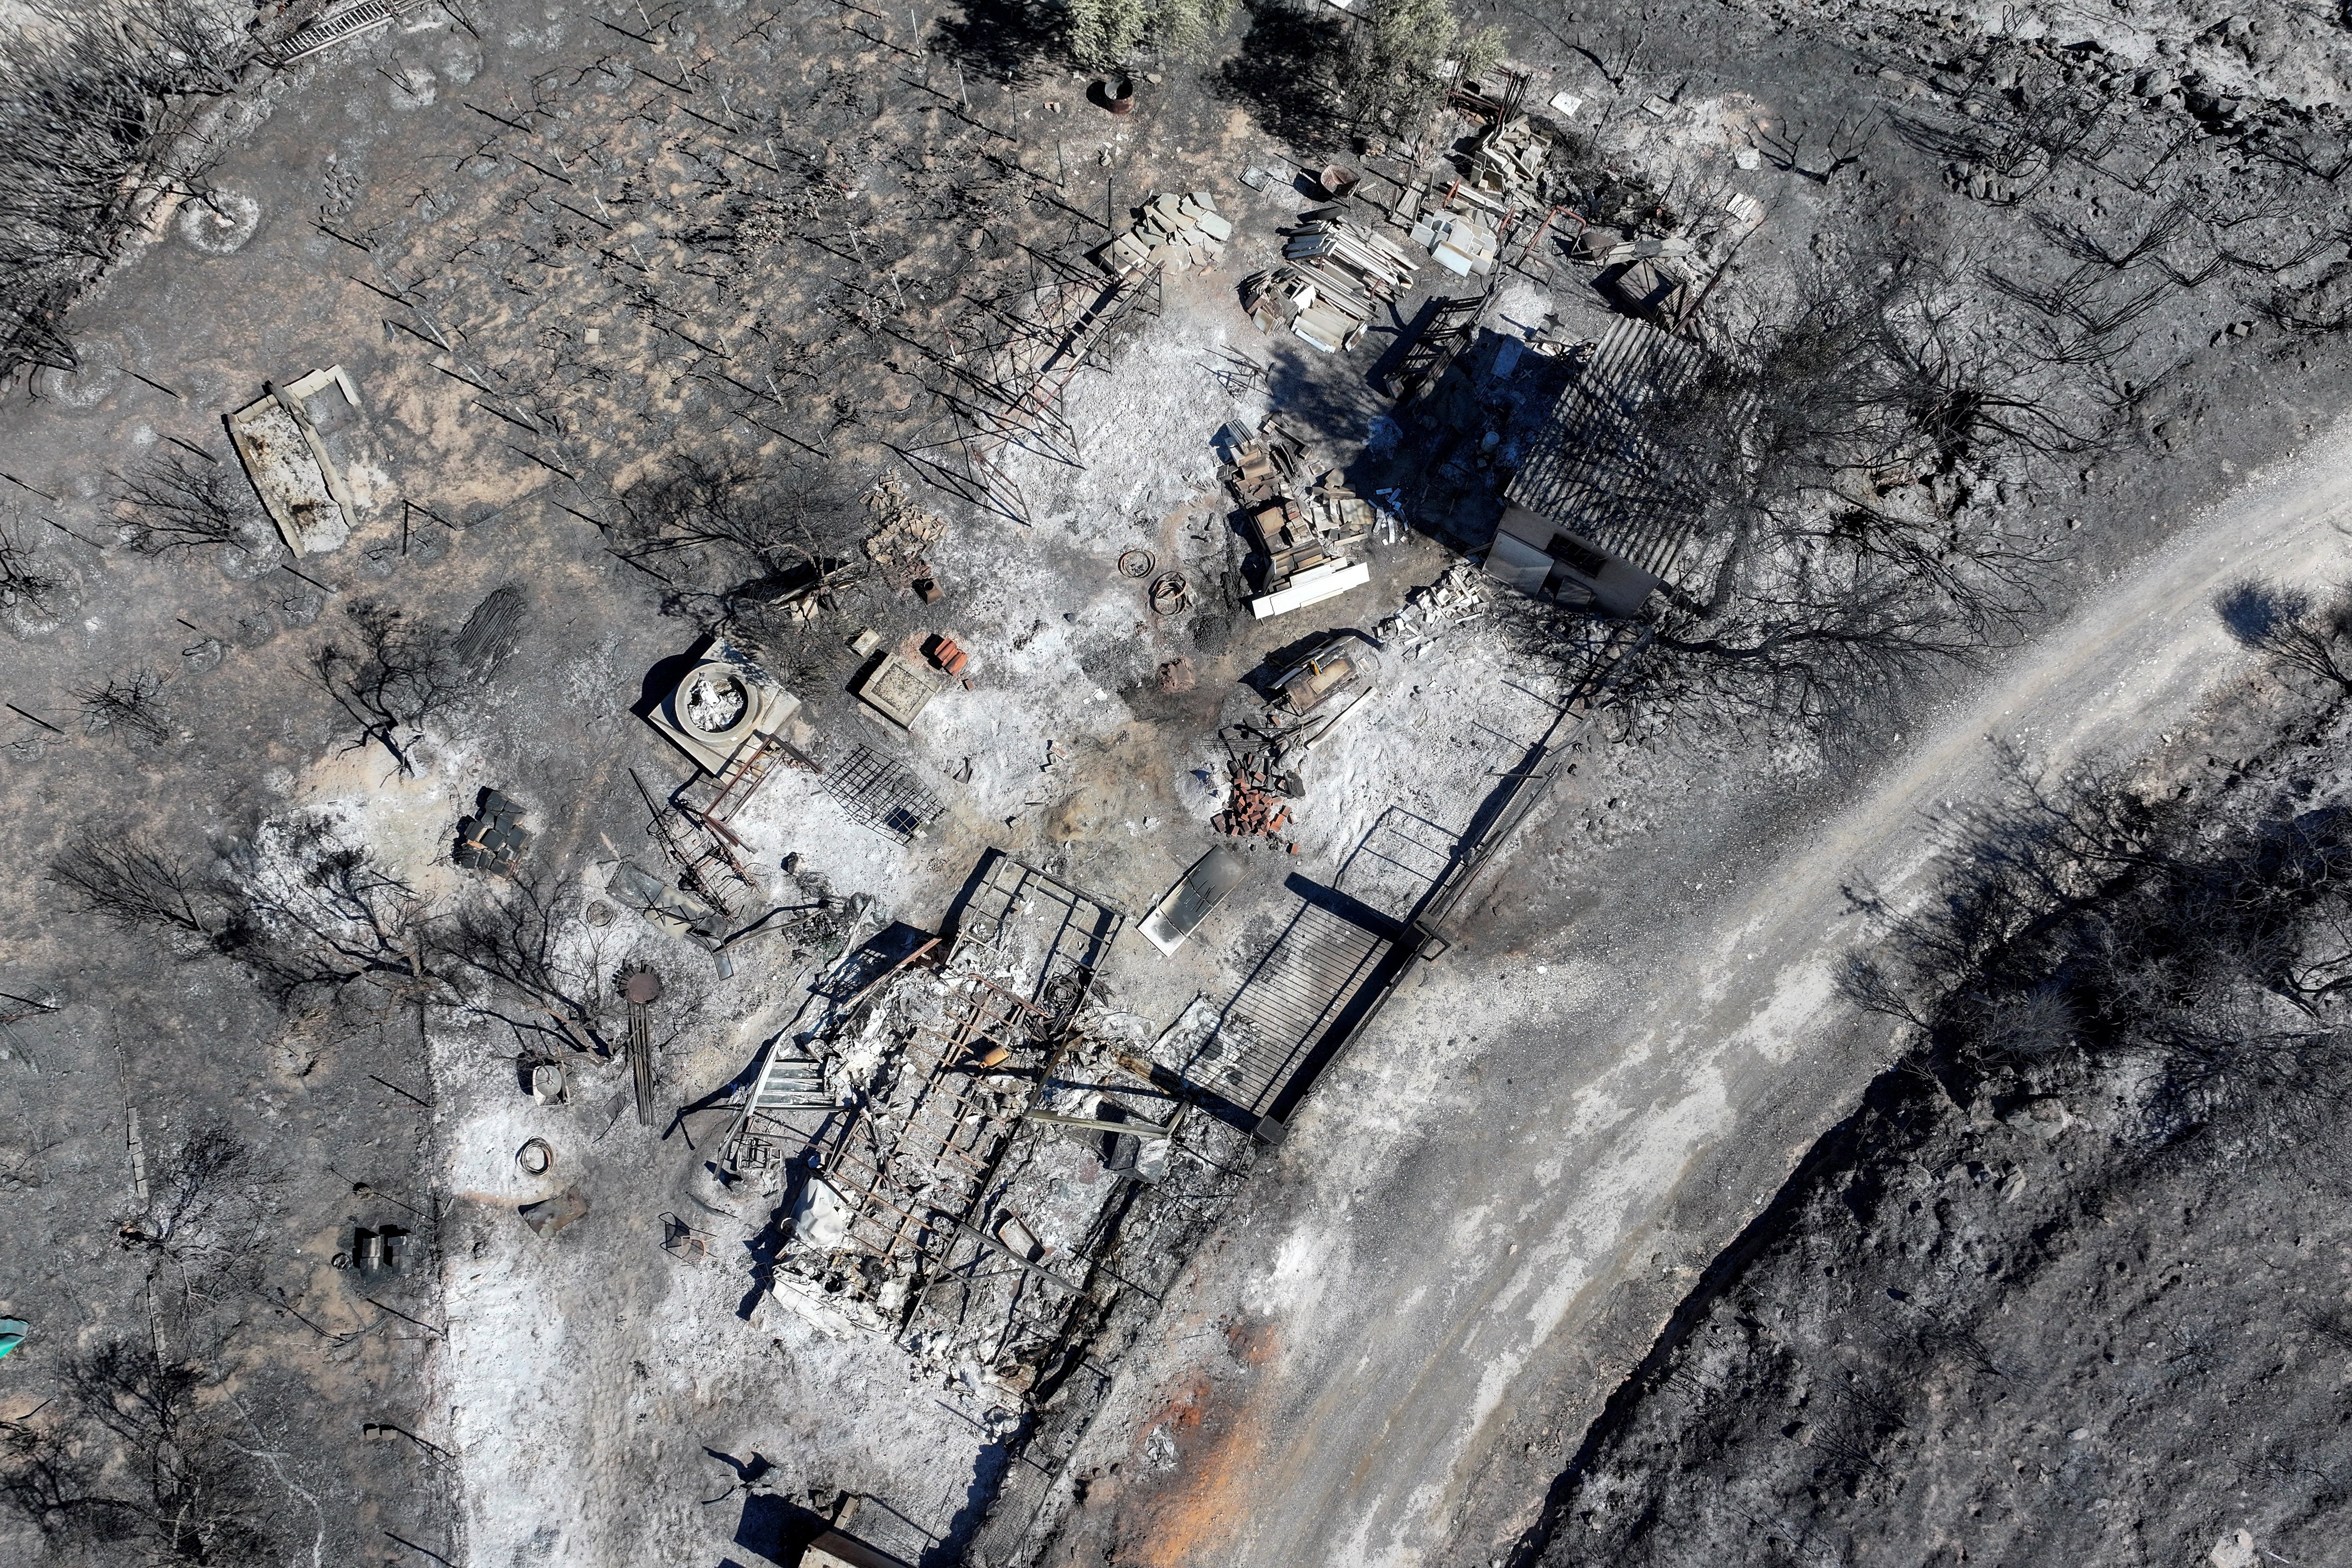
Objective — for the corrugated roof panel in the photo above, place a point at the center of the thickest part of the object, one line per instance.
(1592, 470)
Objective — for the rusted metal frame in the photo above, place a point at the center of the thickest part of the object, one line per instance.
(880, 1172)
(873, 1195)
(739, 784)
(874, 1190)
(720, 829)
(1118, 915)
(879, 1166)
(935, 1206)
(958, 1100)
(969, 1024)
(720, 851)
(993, 1244)
(942, 1070)
(1068, 899)
(689, 867)
(1108, 1227)
(1022, 1003)
(934, 1063)
(947, 1140)
(916, 1297)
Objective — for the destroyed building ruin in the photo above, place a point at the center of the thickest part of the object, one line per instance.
(1597, 513)
(296, 449)
(974, 1158)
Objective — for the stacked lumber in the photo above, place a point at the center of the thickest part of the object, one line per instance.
(1333, 276)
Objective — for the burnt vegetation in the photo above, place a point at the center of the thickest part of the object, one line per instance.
(320, 922)
(203, 1221)
(2126, 1053)
(1872, 457)
(129, 705)
(25, 582)
(390, 674)
(179, 501)
(1851, 462)
(729, 537)
(139, 1459)
(98, 124)
(2084, 922)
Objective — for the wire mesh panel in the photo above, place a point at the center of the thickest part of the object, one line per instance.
(1299, 990)
(883, 793)
(1052, 935)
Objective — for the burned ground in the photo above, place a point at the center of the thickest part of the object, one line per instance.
(671, 321)
(1991, 1316)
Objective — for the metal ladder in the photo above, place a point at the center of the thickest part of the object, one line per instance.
(333, 26)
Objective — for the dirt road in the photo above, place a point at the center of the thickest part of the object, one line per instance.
(1484, 1219)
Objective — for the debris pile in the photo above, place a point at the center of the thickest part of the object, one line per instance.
(1305, 529)
(938, 1141)
(1334, 276)
(1653, 275)
(907, 530)
(1459, 240)
(1183, 232)
(1265, 464)
(1510, 160)
(1262, 761)
(944, 652)
(1454, 599)
(290, 462)
(1254, 809)
(494, 838)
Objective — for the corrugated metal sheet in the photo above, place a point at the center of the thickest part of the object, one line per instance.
(1593, 470)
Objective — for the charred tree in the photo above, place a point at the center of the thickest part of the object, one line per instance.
(391, 677)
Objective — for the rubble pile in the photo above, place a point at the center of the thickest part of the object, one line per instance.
(1265, 464)
(1334, 276)
(1459, 240)
(1458, 596)
(1255, 809)
(1182, 232)
(1305, 529)
(1652, 274)
(907, 530)
(493, 838)
(1510, 160)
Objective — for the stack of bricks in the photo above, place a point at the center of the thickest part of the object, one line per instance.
(1253, 810)
(948, 656)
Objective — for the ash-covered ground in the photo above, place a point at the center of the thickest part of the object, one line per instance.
(669, 322)
(2069, 1284)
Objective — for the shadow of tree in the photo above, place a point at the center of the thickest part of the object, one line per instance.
(1282, 75)
(1008, 40)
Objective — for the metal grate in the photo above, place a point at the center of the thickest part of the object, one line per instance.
(882, 793)
(1288, 1003)
(333, 26)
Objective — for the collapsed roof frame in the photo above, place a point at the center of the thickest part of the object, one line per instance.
(1017, 401)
